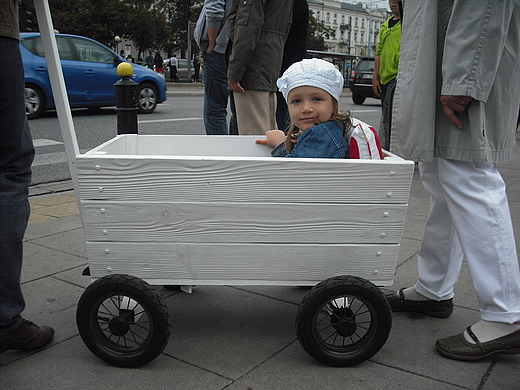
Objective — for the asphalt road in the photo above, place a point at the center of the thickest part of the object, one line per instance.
(178, 115)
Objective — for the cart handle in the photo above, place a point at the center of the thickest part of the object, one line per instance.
(59, 90)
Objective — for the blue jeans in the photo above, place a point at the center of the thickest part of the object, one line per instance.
(16, 156)
(216, 95)
(386, 97)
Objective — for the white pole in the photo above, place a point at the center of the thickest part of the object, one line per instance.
(59, 90)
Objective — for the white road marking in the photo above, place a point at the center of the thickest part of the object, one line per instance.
(45, 142)
(171, 120)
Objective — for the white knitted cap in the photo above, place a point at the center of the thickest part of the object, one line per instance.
(311, 73)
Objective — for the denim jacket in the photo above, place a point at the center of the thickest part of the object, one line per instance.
(325, 140)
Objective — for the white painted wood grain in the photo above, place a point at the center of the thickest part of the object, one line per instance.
(246, 180)
(239, 222)
(199, 264)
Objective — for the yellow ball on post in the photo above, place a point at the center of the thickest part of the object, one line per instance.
(125, 69)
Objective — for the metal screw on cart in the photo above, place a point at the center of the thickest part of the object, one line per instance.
(126, 101)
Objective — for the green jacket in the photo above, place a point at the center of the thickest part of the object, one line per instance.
(388, 49)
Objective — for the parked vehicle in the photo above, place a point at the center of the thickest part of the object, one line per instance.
(182, 70)
(360, 81)
(90, 73)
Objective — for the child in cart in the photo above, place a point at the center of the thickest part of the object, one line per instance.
(312, 88)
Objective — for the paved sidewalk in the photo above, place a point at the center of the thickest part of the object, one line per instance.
(236, 337)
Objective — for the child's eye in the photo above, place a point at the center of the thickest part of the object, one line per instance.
(317, 99)
(295, 101)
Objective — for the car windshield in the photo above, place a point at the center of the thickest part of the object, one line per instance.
(365, 66)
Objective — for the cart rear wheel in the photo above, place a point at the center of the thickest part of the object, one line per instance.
(343, 321)
(123, 321)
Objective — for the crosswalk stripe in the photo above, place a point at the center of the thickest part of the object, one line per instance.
(45, 142)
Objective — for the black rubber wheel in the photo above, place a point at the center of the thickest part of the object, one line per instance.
(343, 321)
(123, 321)
(147, 97)
(34, 101)
(358, 99)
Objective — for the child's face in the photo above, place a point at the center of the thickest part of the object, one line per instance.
(310, 106)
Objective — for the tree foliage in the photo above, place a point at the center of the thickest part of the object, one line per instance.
(179, 13)
(318, 32)
(150, 24)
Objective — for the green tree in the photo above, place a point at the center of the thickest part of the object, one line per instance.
(150, 24)
(178, 13)
(318, 33)
(101, 20)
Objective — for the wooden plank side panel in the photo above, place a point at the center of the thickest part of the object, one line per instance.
(194, 264)
(243, 180)
(226, 222)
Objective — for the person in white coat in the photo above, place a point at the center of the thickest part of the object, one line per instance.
(455, 111)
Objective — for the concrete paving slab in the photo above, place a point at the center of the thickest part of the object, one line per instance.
(70, 365)
(289, 369)
(411, 348)
(228, 331)
(55, 261)
(70, 241)
(53, 227)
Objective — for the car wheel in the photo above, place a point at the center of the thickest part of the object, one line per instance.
(357, 98)
(147, 97)
(34, 101)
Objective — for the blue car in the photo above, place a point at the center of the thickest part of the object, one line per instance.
(90, 74)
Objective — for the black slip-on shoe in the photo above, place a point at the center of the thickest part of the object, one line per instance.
(438, 309)
(456, 347)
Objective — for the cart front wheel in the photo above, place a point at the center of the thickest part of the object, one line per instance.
(123, 321)
(343, 321)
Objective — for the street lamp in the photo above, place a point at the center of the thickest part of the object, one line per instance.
(117, 39)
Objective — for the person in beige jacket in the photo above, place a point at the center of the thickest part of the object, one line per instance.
(454, 112)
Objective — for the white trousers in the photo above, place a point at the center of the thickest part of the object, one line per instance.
(469, 217)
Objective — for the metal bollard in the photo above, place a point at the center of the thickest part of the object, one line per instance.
(126, 101)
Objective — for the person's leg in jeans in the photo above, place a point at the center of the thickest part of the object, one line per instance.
(216, 93)
(16, 155)
(233, 126)
(386, 94)
(283, 119)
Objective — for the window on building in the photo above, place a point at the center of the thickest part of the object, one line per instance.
(362, 23)
(328, 17)
(335, 18)
(356, 22)
(355, 37)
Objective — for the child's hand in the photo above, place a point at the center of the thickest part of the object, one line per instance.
(274, 138)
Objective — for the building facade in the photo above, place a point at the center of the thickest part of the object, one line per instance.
(356, 27)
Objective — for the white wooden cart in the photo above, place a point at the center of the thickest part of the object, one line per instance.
(215, 210)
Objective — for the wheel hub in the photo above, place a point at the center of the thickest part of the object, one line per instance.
(344, 321)
(120, 325)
